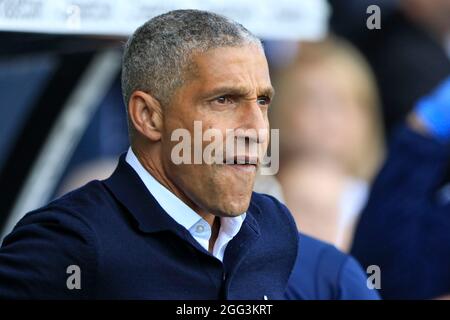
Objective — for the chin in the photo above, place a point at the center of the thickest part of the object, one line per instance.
(234, 207)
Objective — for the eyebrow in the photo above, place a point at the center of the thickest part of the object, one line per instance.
(240, 91)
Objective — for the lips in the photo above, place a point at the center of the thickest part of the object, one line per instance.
(242, 160)
(242, 164)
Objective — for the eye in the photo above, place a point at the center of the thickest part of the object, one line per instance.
(223, 100)
(263, 100)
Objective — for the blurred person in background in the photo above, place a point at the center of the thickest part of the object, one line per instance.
(331, 140)
(405, 228)
(410, 54)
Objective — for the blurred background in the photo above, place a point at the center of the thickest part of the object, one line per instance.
(342, 88)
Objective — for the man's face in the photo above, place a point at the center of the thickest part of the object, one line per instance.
(230, 89)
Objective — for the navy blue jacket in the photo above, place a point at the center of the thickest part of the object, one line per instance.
(405, 228)
(127, 247)
(322, 272)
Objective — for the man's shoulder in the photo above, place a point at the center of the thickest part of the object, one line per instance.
(83, 205)
(92, 193)
(48, 240)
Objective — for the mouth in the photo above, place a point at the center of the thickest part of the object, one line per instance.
(244, 164)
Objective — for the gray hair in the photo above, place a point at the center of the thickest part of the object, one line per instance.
(158, 54)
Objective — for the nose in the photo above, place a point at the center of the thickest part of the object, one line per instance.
(254, 123)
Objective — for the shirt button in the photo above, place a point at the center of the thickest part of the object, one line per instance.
(199, 228)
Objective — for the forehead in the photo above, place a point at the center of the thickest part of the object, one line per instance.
(244, 66)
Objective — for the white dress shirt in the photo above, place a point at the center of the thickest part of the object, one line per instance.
(198, 227)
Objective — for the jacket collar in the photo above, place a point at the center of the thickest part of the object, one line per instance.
(131, 192)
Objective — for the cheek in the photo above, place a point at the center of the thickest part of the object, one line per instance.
(356, 125)
(195, 180)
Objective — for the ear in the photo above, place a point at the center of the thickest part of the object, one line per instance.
(145, 114)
